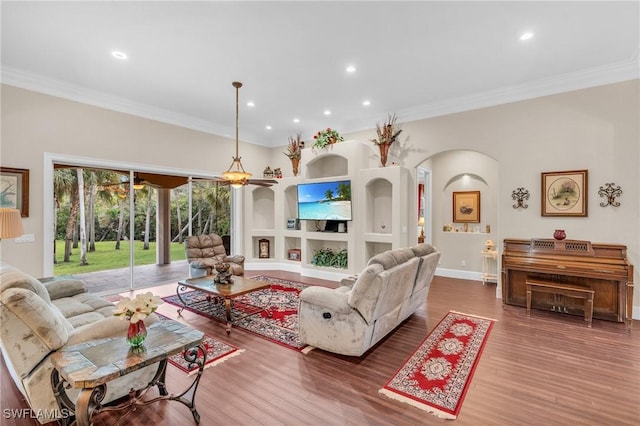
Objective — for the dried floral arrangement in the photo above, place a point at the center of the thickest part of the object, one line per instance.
(387, 133)
(294, 147)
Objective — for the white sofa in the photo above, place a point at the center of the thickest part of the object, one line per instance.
(39, 318)
(351, 319)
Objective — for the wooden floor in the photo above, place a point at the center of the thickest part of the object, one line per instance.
(549, 369)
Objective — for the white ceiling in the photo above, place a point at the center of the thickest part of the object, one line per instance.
(415, 59)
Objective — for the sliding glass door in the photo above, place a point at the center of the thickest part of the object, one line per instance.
(124, 229)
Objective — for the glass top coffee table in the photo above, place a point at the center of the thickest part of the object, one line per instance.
(222, 293)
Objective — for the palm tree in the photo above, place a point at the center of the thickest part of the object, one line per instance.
(73, 216)
(83, 223)
(122, 196)
(147, 220)
(344, 191)
(64, 181)
(100, 187)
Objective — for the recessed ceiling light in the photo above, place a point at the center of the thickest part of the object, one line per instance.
(327, 112)
(250, 104)
(119, 55)
(351, 69)
(526, 36)
(366, 103)
(268, 127)
(296, 120)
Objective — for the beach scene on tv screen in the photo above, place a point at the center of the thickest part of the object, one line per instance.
(325, 201)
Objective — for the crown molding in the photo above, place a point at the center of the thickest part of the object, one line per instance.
(39, 83)
(584, 79)
(597, 76)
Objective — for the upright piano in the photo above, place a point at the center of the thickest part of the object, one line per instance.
(603, 268)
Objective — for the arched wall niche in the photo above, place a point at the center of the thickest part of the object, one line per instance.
(263, 202)
(327, 165)
(378, 204)
(457, 171)
(291, 204)
(463, 179)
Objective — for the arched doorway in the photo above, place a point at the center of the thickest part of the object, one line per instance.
(452, 174)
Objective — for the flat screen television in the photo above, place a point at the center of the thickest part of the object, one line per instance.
(325, 200)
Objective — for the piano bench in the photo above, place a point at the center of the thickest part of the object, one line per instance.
(567, 290)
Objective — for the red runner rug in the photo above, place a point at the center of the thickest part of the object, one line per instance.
(277, 323)
(217, 352)
(436, 377)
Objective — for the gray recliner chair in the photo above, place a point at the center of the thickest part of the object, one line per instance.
(205, 251)
(350, 319)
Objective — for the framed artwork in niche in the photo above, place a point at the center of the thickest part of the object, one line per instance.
(565, 193)
(14, 189)
(263, 249)
(294, 254)
(466, 207)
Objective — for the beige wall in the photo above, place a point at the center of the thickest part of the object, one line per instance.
(595, 129)
(34, 124)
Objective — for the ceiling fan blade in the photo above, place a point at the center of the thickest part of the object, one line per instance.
(262, 182)
(220, 180)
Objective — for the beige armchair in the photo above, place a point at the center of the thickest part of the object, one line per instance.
(37, 319)
(204, 251)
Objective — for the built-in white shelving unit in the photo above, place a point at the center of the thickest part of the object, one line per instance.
(380, 205)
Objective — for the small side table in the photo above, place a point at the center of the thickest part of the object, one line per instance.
(91, 365)
(489, 266)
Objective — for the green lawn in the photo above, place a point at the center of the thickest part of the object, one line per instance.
(107, 257)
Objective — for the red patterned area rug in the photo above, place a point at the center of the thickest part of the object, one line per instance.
(217, 352)
(277, 323)
(436, 377)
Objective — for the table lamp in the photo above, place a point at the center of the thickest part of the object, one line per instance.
(10, 223)
(421, 224)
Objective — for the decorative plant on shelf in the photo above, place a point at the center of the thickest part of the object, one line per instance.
(294, 151)
(387, 134)
(340, 259)
(326, 137)
(327, 257)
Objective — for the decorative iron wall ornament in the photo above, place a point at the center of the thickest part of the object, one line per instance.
(611, 194)
(519, 195)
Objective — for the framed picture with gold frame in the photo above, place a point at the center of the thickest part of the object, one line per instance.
(14, 189)
(565, 193)
(466, 207)
(263, 249)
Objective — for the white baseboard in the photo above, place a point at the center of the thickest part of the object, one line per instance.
(296, 267)
(456, 273)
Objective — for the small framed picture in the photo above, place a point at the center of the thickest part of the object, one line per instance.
(14, 184)
(294, 254)
(564, 193)
(466, 207)
(263, 249)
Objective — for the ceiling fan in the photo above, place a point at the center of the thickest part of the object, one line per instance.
(138, 182)
(236, 176)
